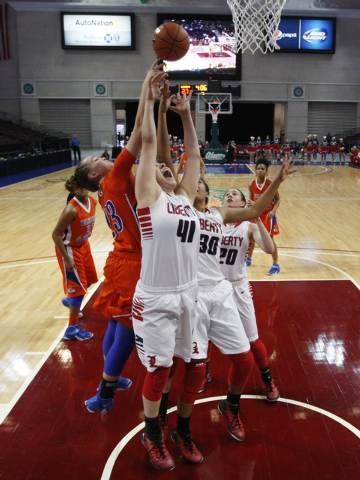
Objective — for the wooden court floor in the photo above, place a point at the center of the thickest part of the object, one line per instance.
(313, 346)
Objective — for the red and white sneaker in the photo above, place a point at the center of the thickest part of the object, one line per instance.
(271, 391)
(235, 419)
(158, 453)
(188, 449)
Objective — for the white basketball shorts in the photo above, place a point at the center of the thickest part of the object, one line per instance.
(219, 320)
(165, 324)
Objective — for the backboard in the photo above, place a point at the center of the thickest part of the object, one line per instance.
(208, 102)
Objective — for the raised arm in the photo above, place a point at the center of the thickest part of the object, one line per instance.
(163, 142)
(234, 215)
(147, 190)
(134, 143)
(189, 182)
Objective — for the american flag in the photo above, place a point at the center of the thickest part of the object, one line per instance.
(4, 37)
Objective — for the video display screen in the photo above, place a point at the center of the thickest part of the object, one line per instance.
(303, 35)
(98, 31)
(212, 40)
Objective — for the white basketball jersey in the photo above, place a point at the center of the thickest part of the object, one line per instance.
(211, 225)
(234, 251)
(170, 242)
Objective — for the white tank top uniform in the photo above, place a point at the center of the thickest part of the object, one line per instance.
(218, 314)
(234, 252)
(165, 298)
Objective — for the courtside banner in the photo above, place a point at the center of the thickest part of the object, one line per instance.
(82, 30)
(306, 35)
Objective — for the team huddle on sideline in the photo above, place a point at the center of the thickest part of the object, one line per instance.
(176, 278)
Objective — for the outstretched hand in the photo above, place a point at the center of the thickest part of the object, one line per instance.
(154, 85)
(165, 99)
(155, 68)
(286, 168)
(182, 103)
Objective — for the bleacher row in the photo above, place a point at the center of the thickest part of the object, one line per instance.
(17, 139)
(23, 148)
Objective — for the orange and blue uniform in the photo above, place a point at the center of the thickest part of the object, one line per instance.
(270, 224)
(76, 241)
(122, 268)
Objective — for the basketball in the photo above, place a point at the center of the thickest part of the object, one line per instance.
(170, 41)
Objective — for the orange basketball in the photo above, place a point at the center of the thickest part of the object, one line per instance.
(170, 41)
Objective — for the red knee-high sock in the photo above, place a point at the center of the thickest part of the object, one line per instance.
(154, 383)
(240, 368)
(73, 319)
(258, 349)
(190, 385)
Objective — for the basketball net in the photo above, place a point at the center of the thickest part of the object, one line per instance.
(256, 24)
(214, 113)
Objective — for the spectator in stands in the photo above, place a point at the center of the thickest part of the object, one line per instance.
(75, 147)
(105, 155)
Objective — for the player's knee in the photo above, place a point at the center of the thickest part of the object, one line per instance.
(191, 384)
(240, 369)
(154, 383)
(76, 301)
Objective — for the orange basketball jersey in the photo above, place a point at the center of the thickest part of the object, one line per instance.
(271, 225)
(257, 191)
(117, 199)
(80, 229)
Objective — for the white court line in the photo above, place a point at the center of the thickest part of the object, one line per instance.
(95, 255)
(120, 446)
(6, 408)
(99, 255)
(327, 265)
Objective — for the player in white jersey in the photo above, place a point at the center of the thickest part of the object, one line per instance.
(219, 318)
(234, 249)
(165, 299)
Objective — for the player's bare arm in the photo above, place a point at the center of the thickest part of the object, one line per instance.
(147, 190)
(134, 144)
(260, 205)
(258, 232)
(163, 142)
(189, 182)
(68, 215)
